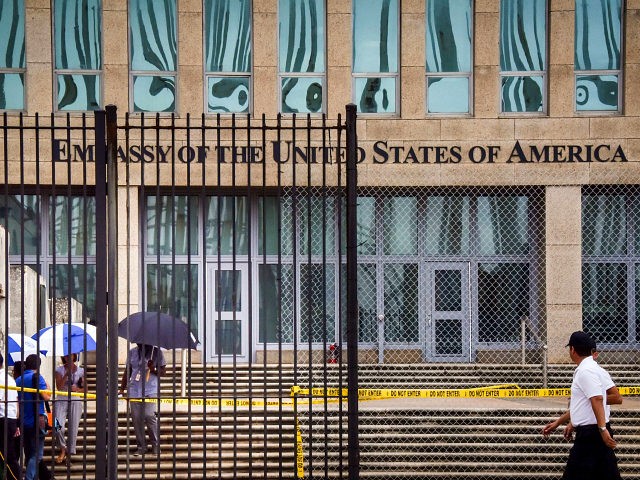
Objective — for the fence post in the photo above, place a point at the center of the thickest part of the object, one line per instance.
(101, 292)
(112, 284)
(352, 295)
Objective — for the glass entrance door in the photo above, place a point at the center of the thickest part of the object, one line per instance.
(448, 322)
(227, 312)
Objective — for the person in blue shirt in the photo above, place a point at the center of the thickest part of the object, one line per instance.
(32, 414)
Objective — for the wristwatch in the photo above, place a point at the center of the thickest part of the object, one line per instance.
(602, 429)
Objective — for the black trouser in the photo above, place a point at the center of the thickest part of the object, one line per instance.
(10, 450)
(590, 458)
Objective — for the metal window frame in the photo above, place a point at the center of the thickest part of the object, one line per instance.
(467, 74)
(154, 73)
(322, 75)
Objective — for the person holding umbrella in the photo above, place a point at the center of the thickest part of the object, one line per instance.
(145, 365)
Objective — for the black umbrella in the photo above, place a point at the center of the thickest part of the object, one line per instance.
(158, 329)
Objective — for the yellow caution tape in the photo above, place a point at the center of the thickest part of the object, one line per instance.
(60, 393)
(299, 451)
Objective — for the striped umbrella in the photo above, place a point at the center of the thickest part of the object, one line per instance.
(67, 338)
(20, 347)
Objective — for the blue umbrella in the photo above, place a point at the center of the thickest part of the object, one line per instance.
(20, 347)
(67, 338)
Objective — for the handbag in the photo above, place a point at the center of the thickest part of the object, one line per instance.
(48, 423)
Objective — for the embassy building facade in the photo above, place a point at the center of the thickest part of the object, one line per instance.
(498, 169)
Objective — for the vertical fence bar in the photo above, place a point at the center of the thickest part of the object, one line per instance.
(102, 422)
(112, 284)
(352, 295)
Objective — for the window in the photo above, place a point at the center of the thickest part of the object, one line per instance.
(523, 55)
(12, 57)
(56, 237)
(611, 263)
(598, 43)
(228, 55)
(153, 55)
(301, 52)
(449, 45)
(375, 56)
(78, 54)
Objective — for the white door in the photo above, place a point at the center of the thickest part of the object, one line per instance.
(227, 312)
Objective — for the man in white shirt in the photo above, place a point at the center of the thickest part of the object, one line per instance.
(591, 457)
(9, 430)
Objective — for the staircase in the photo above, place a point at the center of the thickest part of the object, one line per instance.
(395, 441)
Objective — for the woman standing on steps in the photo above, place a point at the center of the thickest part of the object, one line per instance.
(69, 377)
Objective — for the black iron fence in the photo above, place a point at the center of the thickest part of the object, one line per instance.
(239, 228)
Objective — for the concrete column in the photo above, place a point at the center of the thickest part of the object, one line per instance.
(563, 267)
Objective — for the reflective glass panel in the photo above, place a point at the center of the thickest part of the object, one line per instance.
(597, 92)
(152, 35)
(228, 336)
(637, 319)
(448, 333)
(449, 25)
(173, 289)
(523, 35)
(447, 223)
(604, 301)
(228, 94)
(319, 214)
(522, 94)
(375, 36)
(12, 38)
(275, 216)
(503, 225)
(227, 26)
(604, 225)
(78, 34)
(503, 300)
(597, 34)
(77, 282)
(301, 95)
(400, 223)
(78, 92)
(276, 303)
(227, 220)
(22, 219)
(11, 91)
(401, 303)
(376, 95)
(317, 303)
(228, 292)
(448, 95)
(301, 35)
(72, 226)
(366, 225)
(169, 220)
(154, 93)
(447, 290)
(367, 307)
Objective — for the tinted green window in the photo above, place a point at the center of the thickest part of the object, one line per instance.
(226, 222)
(301, 35)
(12, 55)
(523, 48)
(22, 217)
(448, 225)
(375, 51)
(276, 303)
(604, 225)
(172, 225)
(503, 224)
(598, 42)
(604, 301)
(78, 36)
(366, 226)
(448, 51)
(367, 308)
(153, 48)
(400, 223)
(401, 303)
(317, 311)
(173, 289)
(72, 226)
(227, 26)
(77, 282)
(275, 226)
(78, 92)
(301, 94)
